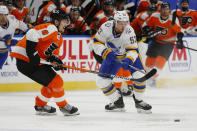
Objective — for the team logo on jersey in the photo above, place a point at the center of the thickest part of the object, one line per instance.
(164, 32)
(45, 32)
(115, 49)
(180, 60)
(186, 20)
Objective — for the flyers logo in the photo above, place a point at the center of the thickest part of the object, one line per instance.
(164, 32)
(45, 32)
(186, 20)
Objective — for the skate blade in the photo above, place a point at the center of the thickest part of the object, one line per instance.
(141, 111)
(74, 114)
(45, 113)
(116, 110)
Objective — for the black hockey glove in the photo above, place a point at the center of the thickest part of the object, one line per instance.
(54, 59)
(148, 33)
(179, 43)
(34, 58)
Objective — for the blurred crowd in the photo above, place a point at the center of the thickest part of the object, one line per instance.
(86, 15)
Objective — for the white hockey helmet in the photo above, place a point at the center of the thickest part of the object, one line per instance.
(3, 10)
(121, 16)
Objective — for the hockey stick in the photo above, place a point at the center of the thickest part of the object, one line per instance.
(142, 79)
(40, 7)
(175, 45)
(29, 10)
(83, 22)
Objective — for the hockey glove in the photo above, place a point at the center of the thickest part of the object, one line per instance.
(54, 59)
(125, 63)
(32, 53)
(109, 56)
(179, 43)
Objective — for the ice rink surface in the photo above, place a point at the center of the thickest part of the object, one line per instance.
(17, 113)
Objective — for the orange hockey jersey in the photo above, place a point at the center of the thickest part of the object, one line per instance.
(45, 15)
(138, 22)
(100, 19)
(144, 4)
(45, 35)
(79, 23)
(188, 18)
(20, 14)
(168, 35)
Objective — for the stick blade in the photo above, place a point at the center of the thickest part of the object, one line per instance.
(146, 77)
(151, 73)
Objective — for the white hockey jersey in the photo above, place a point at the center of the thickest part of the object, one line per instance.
(124, 44)
(6, 33)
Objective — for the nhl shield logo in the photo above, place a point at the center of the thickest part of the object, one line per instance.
(180, 59)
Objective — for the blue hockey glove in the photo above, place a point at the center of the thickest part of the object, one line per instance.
(125, 63)
(109, 56)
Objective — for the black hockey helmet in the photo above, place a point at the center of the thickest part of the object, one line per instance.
(152, 7)
(58, 15)
(187, 1)
(7, 2)
(108, 2)
(165, 5)
(75, 9)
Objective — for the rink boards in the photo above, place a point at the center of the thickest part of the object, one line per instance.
(180, 70)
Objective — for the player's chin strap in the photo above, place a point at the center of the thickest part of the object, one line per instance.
(142, 79)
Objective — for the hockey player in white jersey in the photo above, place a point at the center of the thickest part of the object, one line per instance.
(116, 41)
(8, 25)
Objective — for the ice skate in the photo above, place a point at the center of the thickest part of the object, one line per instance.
(142, 107)
(127, 91)
(118, 105)
(45, 110)
(69, 110)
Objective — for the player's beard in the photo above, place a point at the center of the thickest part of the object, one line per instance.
(184, 8)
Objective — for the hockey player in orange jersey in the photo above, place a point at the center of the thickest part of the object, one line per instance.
(162, 44)
(103, 15)
(77, 25)
(52, 5)
(139, 20)
(144, 4)
(20, 11)
(43, 42)
(187, 18)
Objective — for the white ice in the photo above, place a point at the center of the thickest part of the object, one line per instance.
(17, 113)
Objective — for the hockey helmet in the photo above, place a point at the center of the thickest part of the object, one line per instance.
(121, 16)
(58, 15)
(7, 2)
(187, 1)
(152, 7)
(108, 2)
(165, 5)
(3, 10)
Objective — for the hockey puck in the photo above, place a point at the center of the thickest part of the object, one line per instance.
(177, 120)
